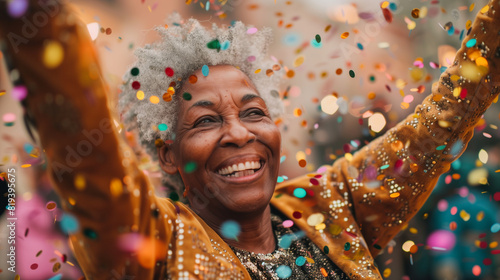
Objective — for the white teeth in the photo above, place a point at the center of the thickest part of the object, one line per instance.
(247, 166)
(241, 166)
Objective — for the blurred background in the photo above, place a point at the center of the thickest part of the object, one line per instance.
(354, 69)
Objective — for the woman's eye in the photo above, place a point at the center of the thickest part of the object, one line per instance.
(204, 120)
(254, 112)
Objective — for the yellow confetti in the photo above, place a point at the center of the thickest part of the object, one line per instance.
(464, 215)
(394, 195)
(116, 187)
(413, 230)
(387, 272)
(257, 71)
(154, 99)
(71, 201)
(53, 54)
(2, 92)
(298, 61)
(471, 7)
(480, 216)
(485, 9)
(384, 4)
(344, 35)
(25, 165)
(79, 182)
(140, 95)
(468, 24)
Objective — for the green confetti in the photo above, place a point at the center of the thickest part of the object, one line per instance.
(190, 167)
(318, 38)
(352, 74)
(187, 96)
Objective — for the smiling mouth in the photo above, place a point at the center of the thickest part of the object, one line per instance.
(241, 169)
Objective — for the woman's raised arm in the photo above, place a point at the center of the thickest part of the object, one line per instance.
(93, 170)
(390, 179)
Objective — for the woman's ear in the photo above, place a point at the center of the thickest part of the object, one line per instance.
(167, 159)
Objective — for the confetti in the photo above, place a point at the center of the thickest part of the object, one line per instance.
(53, 54)
(69, 224)
(169, 71)
(299, 192)
(284, 271)
(162, 127)
(17, 8)
(19, 93)
(252, 30)
(51, 206)
(298, 61)
(205, 70)
(190, 167)
(344, 35)
(352, 74)
(9, 119)
(230, 229)
(300, 261)
(134, 71)
(186, 96)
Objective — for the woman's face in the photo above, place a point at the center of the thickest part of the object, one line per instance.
(227, 132)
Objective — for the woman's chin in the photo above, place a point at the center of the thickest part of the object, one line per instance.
(248, 203)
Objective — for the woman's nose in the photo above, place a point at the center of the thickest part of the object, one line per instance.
(235, 133)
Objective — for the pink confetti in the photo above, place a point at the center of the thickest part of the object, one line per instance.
(19, 93)
(252, 30)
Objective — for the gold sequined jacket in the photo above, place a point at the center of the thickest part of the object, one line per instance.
(364, 201)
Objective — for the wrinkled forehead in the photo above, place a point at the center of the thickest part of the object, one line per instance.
(219, 78)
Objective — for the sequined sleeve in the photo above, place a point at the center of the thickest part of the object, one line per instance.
(93, 170)
(389, 180)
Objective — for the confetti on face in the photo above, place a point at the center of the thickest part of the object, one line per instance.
(344, 35)
(9, 119)
(154, 99)
(287, 223)
(415, 13)
(230, 230)
(190, 167)
(140, 95)
(136, 85)
(186, 96)
(205, 70)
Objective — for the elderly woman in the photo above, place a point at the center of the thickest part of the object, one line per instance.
(204, 112)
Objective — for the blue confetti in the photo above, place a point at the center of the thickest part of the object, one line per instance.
(384, 167)
(291, 39)
(393, 6)
(284, 271)
(442, 69)
(316, 44)
(299, 192)
(282, 159)
(471, 43)
(360, 46)
(28, 148)
(230, 229)
(204, 70)
(461, 34)
(300, 261)
(456, 148)
(456, 164)
(69, 224)
(207, 6)
(440, 148)
(162, 127)
(280, 179)
(225, 45)
(495, 228)
(56, 277)
(451, 31)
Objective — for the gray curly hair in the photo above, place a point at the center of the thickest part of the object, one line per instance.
(146, 103)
